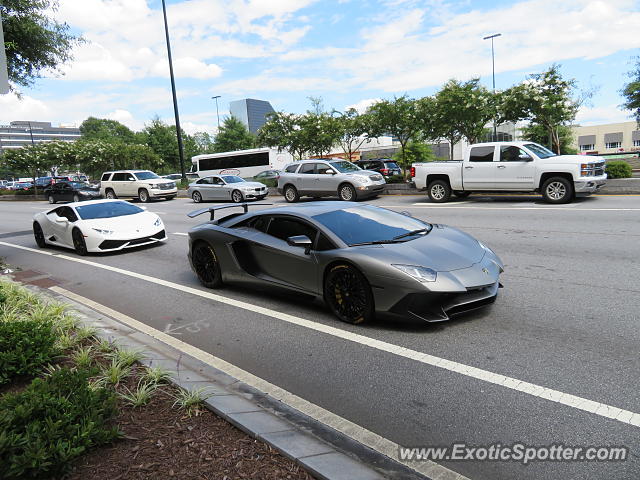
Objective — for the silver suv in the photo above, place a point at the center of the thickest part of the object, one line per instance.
(328, 177)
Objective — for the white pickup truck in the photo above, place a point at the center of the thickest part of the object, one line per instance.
(511, 167)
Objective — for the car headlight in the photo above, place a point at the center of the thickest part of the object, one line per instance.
(361, 179)
(103, 231)
(158, 222)
(154, 185)
(422, 274)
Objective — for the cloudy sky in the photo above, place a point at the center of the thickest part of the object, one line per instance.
(348, 52)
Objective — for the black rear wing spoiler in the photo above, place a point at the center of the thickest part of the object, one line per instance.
(214, 209)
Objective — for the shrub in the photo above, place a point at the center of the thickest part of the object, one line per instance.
(395, 179)
(53, 421)
(25, 345)
(619, 169)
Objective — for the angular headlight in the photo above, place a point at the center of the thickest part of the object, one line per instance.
(158, 222)
(154, 185)
(103, 231)
(361, 179)
(422, 274)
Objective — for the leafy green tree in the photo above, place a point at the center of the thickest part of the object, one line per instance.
(399, 118)
(106, 130)
(204, 142)
(631, 92)
(233, 135)
(161, 138)
(351, 130)
(33, 160)
(544, 99)
(282, 131)
(463, 109)
(415, 152)
(539, 134)
(34, 41)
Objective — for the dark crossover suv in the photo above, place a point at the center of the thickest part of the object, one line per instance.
(384, 166)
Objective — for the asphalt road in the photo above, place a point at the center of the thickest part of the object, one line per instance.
(567, 319)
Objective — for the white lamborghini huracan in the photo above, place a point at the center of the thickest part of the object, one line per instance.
(97, 226)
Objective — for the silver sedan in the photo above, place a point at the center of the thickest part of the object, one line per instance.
(226, 187)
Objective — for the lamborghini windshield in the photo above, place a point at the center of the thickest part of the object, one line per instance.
(107, 210)
(368, 224)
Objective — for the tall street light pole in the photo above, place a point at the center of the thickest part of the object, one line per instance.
(217, 113)
(493, 74)
(173, 91)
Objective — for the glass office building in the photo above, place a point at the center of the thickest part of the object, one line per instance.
(251, 112)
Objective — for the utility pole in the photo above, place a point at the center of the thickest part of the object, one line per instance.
(217, 113)
(173, 92)
(493, 72)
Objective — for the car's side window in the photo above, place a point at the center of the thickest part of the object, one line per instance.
(481, 154)
(323, 168)
(203, 180)
(307, 168)
(105, 177)
(285, 227)
(323, 243)
(513, 154)
(118, 177)
(67, 213)
(130, 177)
(291, 168)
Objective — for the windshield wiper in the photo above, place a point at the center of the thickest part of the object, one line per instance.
(374, 242)
(412, 233)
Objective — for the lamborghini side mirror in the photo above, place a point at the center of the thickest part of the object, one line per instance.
(300, 241)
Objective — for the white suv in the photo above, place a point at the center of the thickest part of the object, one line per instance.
(142, 184)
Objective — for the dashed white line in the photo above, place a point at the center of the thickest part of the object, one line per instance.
(180, 233)
(590, 406)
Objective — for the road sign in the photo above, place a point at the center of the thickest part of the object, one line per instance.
(4, 76)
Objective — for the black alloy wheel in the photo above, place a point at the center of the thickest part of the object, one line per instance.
(39, 235)
(206, 266)
(78, 242)
(348, 294)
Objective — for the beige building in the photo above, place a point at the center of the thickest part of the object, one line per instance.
(607, 139)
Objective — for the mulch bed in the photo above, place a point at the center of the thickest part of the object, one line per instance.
(162, 442)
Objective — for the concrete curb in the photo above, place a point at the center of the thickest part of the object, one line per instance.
(326, 453)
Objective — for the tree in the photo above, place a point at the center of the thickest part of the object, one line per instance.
(107, 130)
(462, 110)
(631, 92)
(544, 99)
(539, 134)
(282, 131)
(399, 118)
(162, 139)
(352, 128)
(204, 142)
(415, 152)
(233, 135)
(35, 160)
(34, 41)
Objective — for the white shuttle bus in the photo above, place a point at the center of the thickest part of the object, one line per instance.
(243, 163)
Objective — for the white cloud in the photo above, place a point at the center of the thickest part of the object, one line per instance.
(602, 115)
(125, 117)
(362, 105)
(28, 108)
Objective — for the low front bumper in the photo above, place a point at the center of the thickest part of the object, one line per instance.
(109, 245)
(438, 307)
(589, 184)
(253, 194)
(373, 189)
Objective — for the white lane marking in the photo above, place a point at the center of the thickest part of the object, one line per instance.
(352, 430)
(597, 408)
(573, 209)
(180, 233)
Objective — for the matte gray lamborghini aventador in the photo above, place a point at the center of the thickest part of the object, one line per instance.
(363, 260)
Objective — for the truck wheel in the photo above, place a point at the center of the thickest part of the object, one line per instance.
(439, 191)
(460, 194)
(557, 190)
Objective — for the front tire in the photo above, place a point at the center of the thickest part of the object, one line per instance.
(348, 294)
(439, 191)
(38, 234)
(110, 194)
(347, 193)
(557, 190)
(143, 195)
(291, 194)
(205, 264)
(196, 197)
(236, 196)
(78, 242)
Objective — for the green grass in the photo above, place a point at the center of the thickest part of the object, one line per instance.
(127, 357)
(141, 395)
(190, 400)
(83, 356)
(156, 375)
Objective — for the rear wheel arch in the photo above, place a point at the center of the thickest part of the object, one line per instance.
(438, 176)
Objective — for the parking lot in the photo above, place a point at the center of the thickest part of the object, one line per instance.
(566, 319)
